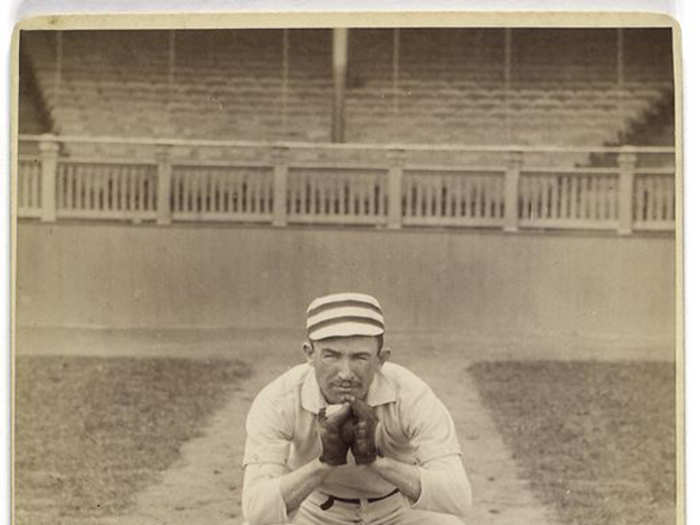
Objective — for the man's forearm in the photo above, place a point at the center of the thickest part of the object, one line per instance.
(404, 477)
(440, 485)
(297, 485)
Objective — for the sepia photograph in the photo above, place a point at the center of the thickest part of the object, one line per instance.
(375, 269)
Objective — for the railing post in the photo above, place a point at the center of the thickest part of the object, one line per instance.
(49, 161)
(626, 161)
(165, 172)
(279, 201)
(397, 160)
(513, 167)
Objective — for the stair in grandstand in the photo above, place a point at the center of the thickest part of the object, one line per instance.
(653, 127)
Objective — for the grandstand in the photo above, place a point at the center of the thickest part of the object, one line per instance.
(436, 126)
(410, 86)
(485, 170)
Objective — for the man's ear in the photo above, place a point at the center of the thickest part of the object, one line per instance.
(384, 355)
(308, 349)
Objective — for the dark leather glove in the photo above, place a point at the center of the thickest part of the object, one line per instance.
(330, 424)
(365, 422)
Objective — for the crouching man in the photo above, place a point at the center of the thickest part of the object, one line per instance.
(348, 437)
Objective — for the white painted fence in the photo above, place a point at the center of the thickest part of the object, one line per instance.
(216, 192)
(439, 197)
(94, 190)
(336, 195)
(586, 199)
(276, 186)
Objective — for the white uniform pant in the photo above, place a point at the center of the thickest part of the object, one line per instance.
(394, 510)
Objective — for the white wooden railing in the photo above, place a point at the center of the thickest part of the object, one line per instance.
(106, 190)
(381, 186)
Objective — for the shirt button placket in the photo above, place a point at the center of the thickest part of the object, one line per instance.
(363, 512)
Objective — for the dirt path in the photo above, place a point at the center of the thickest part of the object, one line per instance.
(203, 487)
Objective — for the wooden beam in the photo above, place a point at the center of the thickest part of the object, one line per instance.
(620, 57)
(395, 66)
(507, 70)
(285, 76)
(340, 67)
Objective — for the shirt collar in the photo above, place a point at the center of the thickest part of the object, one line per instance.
(380, 392)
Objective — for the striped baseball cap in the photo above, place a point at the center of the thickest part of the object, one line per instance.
(344, 314)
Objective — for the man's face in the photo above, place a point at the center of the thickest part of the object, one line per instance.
(345, 366)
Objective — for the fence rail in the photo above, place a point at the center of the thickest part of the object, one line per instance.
(106, 191)
(466, 198)
(221, 193)
(389, 190)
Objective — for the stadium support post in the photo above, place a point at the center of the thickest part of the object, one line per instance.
(340, 66)
(515, 164)
(626, 161)
(49, 159)
(164, 182)
(394, 188)
(279, 203)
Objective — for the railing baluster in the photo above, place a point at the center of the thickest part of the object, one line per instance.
(91, 186)
(368, 181)
(123, 181)
(657, 197)
(60, 187)
(142, 190)
(581, 197)
(482, 196)
(231, 191)
(78, 204)
(315, 180)
(429, 186)
(495, 191)
(439, 192)
(595, 206)
(304, 195)
(255, 193)
(192, 185)
(259, 192)
(95, 183)
(101, 193)
(24, 189)
(200, 191)
(104, 188)
(612, 198)
(48, 152)
(420, 193)
(85, 187)
(223, 191)
(320, 194)
(240, 186)
(132, 192)
(626, 163)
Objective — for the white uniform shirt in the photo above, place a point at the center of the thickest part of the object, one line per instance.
(414, 428)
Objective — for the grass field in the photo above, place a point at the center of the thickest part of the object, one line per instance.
(596, 440)
(90, 432)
